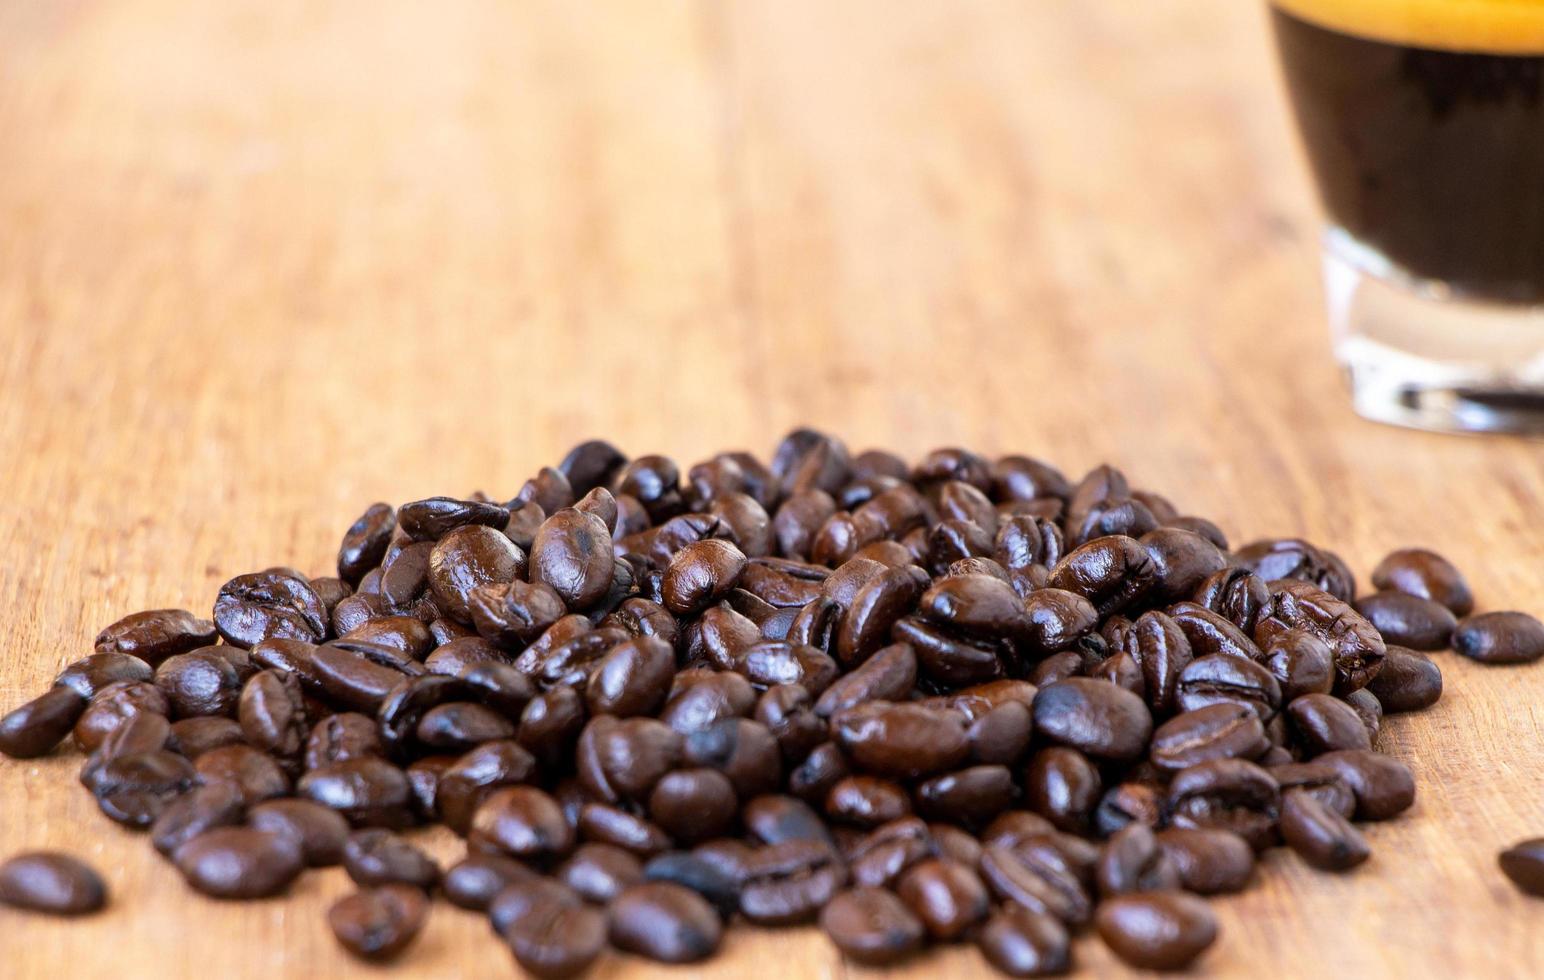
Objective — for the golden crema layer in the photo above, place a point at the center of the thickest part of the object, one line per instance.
(1481, 26)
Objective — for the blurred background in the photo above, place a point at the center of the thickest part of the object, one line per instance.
(262, 263)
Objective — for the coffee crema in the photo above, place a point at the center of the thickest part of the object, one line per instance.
(1477, 26)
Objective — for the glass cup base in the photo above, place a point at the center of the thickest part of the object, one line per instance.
(1418, 354)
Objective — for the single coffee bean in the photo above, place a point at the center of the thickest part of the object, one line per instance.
(1223, 730)
(367, 790)
(1226, 794)
(240, 862)
(1426, 574)
(134, 789)
(1209, 862)
(600, 872)
(775, 819)
(1156, 930)
(114, 705)
(1408, 681)
(154, 635)
(523, 822)
(1128, 802)
(790, 882)
(199, 683)
(665, 922)
(1410, 621)
(948, 897)
(1500, 638)
(871, 926)
(1322, 723)
(572, 554)
(272, 714)
(1224, 679)
(90, 675)
(321, 833)
(1036, 881)
(1294, 558)
(379, 857)
(378, 923)
(1096, 717)
(1357, 645)
(1319, 835)
(693, 805)
(1022, 943)
(902, 740)
(192, 737)
(255, 775)
(47, 881)
(1523, 863)
(632, 678)
(1062, 785)
(365, 542)
(866, 801)
(557, 940)
(1112, 572)
(253, 608)
(42, 723)
(341, 737)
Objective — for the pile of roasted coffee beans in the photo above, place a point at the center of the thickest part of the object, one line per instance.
(961, 701)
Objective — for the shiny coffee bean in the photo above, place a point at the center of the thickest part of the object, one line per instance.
(789, 882)
(154, 635)
(367, 790)
(523, 822)
(240, 862)
(377, 924)
(474, 881)
(1132, 861)
(600, 872)
(201, 809)
(1209, 862)
(199, 683)
(556, 940)
(1320, 836)
(1408, 681)
(252, 608)
(1096, 717)
(255, 775)
(665, 922)
(321, 833)
(1418, 572)
(1410, 621)
(36, 727)
(871, 926)
(1383, 785)
(946, 896)
(1500, 638)
(51, 882)
(1523, 863)
(1025, 877)
(1224, 730)
(1321, 723)
(379, 857)
(1226, 794)
(1022, 943)
(902, 740)
(1156, 930)
(1223, 679)
(134, 789)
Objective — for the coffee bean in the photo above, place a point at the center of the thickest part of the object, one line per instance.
(255, 775)
(321, 833)
(1383, 786)
(1321, 723)
(1301, 662)
(1222, 730)
(1223, 679)
(1418, 572)
(1132, 861)
(1062, 785)
(901, 740)
(789, 882)
(1209, 862)
(664, 922)
(240, 862)
(1320, 836)
(572, 554)
(557, 940)
(47, 881)
(1111, 572)
(378, 923)
(866, 801)
(600, 872)
(341, 737)
(365, 542)
(1028, 878)
(1293, 558)
(435, 517)
(698, 871)
(380, 857)
(1500, 638)
(633, 678)
(1356, 644)
(523, 822)
(154, 635)
(1523, 862)
(1408, 620)
(253, 608)
(1095, 717)
(467, 558)
(134, 789)
(1023, 943)
(367, 790)
(871, 926)
(199, 683)
(36, 727)
(1156, 930)
(1408, 681)
(473, 882)
(1226, 794)
(272, 713)
(946, 896)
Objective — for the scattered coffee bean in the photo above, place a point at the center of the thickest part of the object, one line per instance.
(1500, 638)
(1524, 864)
(379, 923)
(240, 862)
(47, 881)
(662, 921)
(1156, 930)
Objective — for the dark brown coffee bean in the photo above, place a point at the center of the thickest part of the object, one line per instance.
(257, 776)
(240, 862)
(365, 542)
(367, 790)
(1182, 560)
(1301, 662)
(701, 574)
(47, 881)
(946, 896)
(272, 714)
(711, 871)
(1500, 638)
(875, 608)
(154, 635)
(199, 683)
(1320, 836)
(200, 809)
(871, 926)
(523, 822)
(133, 789)
(1022, 876)
(523, 895)
(435, 517)
(1210, 633)
(467, 558)
(1095, 717)
(378, 923)
(500, 686)
(1209, 862)
(970, 796)
(1383, 785)
(866, 801)
(360, 676)
(341, 737)
(693, 805)
(790, 882)
(1022, 943)
(1426, 574)
(602, 824)
(1236, 594)
(320, 832)
(1157, 930)
(633, 678)
(92, 675)
(1217, 731)
(1321, 723)
(700, 699)
(114, 705)
(1226, 794)
(662, 921)
(1112, 572)
(252, 608)
(42, 723)
(591, 464)
(1128, 802)
(461, 725)
(1408, 681)
(1293, 558)
(976, 604)
(379, 857)
(600, 872)
(624, 758)
(1523, 863)
(473, 882)
(954, 661)
(1319, 779)
(557, 940)
(1132, 861)
(1025, 478)
(1222, 679)
(572, 554)
(407, 634)
(1063, 786)
(1420, 624)
(901, 740)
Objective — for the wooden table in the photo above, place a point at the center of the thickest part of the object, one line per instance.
(263, 263)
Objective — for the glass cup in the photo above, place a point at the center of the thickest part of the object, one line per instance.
(1423, 123)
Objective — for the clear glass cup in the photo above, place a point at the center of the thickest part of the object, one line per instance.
(1423, 123)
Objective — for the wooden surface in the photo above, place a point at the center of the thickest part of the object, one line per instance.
(263, 263)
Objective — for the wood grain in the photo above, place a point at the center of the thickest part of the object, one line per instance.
(264, 263)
